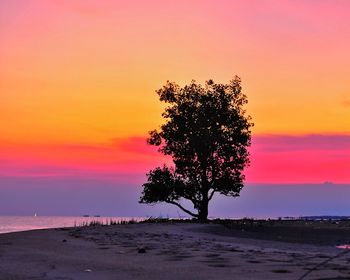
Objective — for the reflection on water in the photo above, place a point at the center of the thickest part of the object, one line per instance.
(21, 223)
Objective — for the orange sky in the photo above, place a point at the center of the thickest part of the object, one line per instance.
(84, 72)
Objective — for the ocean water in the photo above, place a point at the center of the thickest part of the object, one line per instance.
(23, 223)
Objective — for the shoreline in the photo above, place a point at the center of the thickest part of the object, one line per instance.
(168, 250)
(24, 223)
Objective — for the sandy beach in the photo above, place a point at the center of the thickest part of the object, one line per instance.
(175, 251)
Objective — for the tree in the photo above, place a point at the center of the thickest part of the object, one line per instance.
(207, 133)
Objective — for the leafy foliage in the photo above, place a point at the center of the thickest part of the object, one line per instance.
(206, 133)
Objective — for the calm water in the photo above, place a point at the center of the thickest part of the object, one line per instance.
(21, 223)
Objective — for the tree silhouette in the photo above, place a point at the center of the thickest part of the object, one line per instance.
(206, 132)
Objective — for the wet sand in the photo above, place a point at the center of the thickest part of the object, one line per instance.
(178, 251)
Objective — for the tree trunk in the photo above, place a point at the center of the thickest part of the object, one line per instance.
(203, 211)
(203, 207)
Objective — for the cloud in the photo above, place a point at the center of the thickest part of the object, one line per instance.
(135, 145)
(129, 155)
(91, 8)
(274, 159)
(300, 159)
(47, 196)
(346, 103)
(311, 142)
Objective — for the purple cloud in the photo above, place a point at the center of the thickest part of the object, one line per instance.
(288, 143)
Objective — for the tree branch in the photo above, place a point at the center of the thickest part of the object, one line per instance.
(211, 195)
(182, 208)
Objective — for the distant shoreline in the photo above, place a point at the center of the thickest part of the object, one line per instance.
(25, 223)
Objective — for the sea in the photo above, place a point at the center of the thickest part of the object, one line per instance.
(24, 223)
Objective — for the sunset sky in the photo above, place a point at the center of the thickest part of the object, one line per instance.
(78, 81)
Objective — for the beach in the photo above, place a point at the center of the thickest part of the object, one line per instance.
(173, 250)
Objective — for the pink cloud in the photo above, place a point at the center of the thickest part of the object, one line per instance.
(135, 145)
(280, 143)
(300, 159)
(274, 159)
(119, 156)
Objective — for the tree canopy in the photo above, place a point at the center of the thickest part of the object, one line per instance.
(207, 133)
